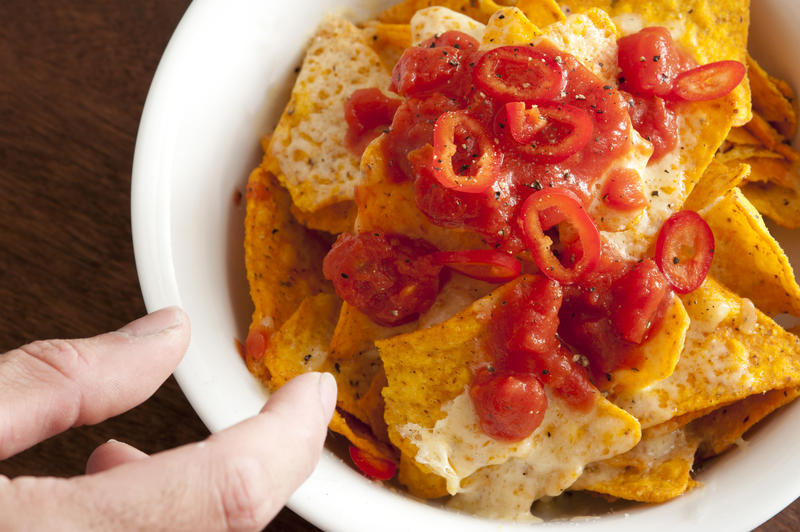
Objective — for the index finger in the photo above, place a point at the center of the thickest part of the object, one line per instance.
(49, 386)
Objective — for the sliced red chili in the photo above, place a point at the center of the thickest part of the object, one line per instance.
(464, 157)
(708, 82)
(514, 73)
(684, 250)
(372, 466)
(510, 406)
(550, 133)
(588, 237)
(488, 265)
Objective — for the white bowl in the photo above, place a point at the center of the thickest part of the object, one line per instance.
(221, 84)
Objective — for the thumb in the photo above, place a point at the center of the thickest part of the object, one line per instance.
(238, 479)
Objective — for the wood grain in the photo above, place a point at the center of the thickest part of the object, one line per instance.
(75, 77)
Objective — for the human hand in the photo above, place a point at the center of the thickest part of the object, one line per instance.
(237, 479)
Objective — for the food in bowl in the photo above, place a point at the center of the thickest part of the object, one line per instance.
(523, 239)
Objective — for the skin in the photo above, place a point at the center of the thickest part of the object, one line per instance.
(237, 479)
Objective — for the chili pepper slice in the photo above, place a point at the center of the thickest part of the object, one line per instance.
(708, 82)
(513, 73)
(372, 466)
(488, 265)
(684, 250)
(570, 210)
(460, 141)
(549, 132)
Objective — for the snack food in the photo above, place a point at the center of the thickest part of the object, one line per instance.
(434, 372)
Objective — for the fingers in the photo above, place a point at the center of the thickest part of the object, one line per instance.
(237, 479)
(49, 386)
(112, 454)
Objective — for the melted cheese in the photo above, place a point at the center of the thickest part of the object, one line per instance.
(502, 479)
(436, 20)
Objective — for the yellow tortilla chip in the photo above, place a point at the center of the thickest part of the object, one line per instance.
(732, 351)
(722, 428)
(770, 138)
(419, 481)
(656, 470)
(659, 354)
(391, 207)
(780, 204)
(355, 333)
(509, 26)
(388, 40)
(740, 135)
(747, 259)
(430, 416)
(716, 181)
(301, 343)
(769, 102)
(541, 12)
(281, 274)
(309, 140)
(336, 218)
(401, 13)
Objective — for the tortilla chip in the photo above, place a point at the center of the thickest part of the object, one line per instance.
(419, 480)
(391, 207)
(388, 40)
(301, 343)
(721, 429)
(769, 102)
(401, 13)
(308, 142)
(700, 26)
(541, 12)
(740, 135)
(281, 274)
(509, 26)
(656, 470)
(428, 372)
(373, 405)
(770, 138)
(780, 204)
(436, 20)
(334, 219)
(659, 354)
(732, 351)
(716, 181)
(747, 259)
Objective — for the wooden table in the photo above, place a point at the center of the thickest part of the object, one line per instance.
(76, 75)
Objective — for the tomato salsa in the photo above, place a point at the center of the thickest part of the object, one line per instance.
(515, 143)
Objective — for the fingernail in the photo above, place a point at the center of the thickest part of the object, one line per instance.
(327, 393)
(154, 323)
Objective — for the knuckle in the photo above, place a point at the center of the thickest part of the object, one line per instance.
(59, 355)
(244, 494)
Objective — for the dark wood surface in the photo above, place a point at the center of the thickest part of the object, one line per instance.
(73, 81)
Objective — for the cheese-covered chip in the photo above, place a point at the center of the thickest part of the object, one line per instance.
(732, 351)
(436, 20)
(431, 417)
(309, 141)
(592, 38)
(509, 26)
